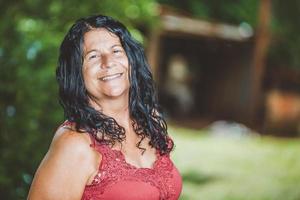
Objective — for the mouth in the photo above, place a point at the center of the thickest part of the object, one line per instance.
(111, 77)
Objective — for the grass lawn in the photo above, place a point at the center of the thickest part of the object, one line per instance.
(249, 168)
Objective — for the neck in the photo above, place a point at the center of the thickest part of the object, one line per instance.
(117, 108)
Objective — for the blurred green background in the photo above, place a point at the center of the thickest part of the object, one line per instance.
(233, 166)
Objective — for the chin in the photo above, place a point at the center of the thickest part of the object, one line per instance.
(118, 92)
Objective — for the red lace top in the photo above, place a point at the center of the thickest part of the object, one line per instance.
(117, 179)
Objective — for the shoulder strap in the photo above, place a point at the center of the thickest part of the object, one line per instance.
(66, 123)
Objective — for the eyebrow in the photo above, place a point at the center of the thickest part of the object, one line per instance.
(113, 46)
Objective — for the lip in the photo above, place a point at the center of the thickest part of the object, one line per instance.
(110, 77)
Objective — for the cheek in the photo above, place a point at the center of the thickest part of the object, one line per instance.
(125, 62)
(125, 65)
(89, 78)
(85, 75)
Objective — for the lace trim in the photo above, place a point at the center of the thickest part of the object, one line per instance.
(114, 168)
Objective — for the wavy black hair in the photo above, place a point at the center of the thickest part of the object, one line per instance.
(147, 120)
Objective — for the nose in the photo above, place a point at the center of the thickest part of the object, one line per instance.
(106, 61)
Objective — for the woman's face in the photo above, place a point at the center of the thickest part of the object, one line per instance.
(105, 66)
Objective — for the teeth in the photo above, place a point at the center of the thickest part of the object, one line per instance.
(107, 78)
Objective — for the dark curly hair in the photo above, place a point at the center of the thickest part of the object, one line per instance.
(147, 120)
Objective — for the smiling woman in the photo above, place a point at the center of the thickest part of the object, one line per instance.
(105, 66)
(114, 143)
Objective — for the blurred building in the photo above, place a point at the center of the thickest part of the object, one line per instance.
(217, 61)
(208, 71)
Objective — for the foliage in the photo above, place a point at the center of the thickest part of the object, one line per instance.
(236, 168)
(31, 33)
(285, 24)
(285, 47)
(229, 11)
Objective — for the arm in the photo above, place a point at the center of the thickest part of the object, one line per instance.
(66, 168)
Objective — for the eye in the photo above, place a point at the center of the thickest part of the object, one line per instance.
(92, 56)
(116, 51)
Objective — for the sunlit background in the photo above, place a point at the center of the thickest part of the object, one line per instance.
(228, 79)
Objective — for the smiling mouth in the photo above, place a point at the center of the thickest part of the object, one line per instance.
(111, 77)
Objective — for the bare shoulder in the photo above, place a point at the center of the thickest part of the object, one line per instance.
(70, 146)
(66, 139)
(66, 168)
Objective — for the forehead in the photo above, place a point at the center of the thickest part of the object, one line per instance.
(100, 37)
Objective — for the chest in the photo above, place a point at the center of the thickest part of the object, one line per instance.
(117, 176)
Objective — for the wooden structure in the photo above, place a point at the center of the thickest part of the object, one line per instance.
(229, 78)
(174, 24)
(227, 61)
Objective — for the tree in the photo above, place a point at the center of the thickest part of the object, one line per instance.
(31, 34)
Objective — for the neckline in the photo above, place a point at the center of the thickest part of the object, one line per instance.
(132, 166)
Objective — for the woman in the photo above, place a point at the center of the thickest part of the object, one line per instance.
(114, 144)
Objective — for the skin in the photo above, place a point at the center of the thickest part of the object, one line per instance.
(70, 163)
